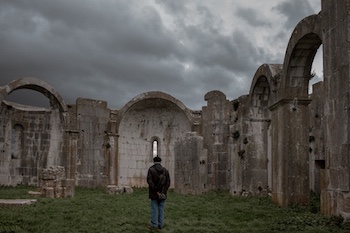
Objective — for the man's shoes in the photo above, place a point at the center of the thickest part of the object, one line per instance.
(160, 228)
(152, 228)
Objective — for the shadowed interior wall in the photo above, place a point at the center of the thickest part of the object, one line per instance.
(30, 140)
(144, 121)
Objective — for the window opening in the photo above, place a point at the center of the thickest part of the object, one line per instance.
(317, 69)
(155, 148)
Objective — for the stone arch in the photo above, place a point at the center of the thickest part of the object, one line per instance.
(44, 149)
(290, 116)
(146, 117)
(301, 50)
(35, 84)
(258, 151)
(153, 95)
(265, 83)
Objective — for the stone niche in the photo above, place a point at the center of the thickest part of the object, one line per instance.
(54, 184)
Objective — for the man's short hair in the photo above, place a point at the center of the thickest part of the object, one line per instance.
(157, 159)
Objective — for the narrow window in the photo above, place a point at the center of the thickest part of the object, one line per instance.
(155, 148)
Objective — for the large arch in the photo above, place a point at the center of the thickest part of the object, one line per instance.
(266, 76)
(301, 50)
(290, 118)
(156, 95)
(261, 95)
(36, 85)
(148, 116)
(42, 131)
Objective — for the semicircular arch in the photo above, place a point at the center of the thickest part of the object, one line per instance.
(155, 95)
(35, 84)
(265, 81)
(302, 48)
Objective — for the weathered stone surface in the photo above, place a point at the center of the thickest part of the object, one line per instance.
(54, 184)
(191, 165)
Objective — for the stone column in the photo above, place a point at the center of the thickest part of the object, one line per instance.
(290, 152)
(71, 153)
(112, 154)
(335, 179)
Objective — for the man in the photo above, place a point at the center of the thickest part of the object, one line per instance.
(158, 180)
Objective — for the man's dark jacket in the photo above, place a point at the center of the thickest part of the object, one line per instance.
(153, 180)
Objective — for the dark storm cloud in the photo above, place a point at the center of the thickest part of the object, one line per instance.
(82, 43)
(208, 47)
(114, 50)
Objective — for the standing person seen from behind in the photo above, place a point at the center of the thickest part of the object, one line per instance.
(158, 180)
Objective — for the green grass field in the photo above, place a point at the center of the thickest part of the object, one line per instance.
(93, 210)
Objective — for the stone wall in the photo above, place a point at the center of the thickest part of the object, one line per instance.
(316, 138)
(191, 167)
(31, 139)
(143, 123)
(93, 117)
(335, 22)
(215, 126)
(249, 148)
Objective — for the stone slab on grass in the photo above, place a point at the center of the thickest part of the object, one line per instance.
(16, 202)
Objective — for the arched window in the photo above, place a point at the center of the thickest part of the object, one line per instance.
(155, 147)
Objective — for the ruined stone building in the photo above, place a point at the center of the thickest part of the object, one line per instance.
(278, 138)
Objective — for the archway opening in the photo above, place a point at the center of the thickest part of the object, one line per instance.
(299, 70)
(317, 69)
(28, 97)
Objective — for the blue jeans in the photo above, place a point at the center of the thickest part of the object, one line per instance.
(157, 213)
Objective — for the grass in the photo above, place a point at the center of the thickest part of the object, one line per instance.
(92, 210)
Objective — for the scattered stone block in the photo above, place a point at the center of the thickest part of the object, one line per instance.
(35, 193)
(54, 183)
(113, 189)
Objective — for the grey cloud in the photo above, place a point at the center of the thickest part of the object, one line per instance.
(178, 7)
(294, 10)
(76, 49)
(114, 50)
(252, 17)
(207, 46)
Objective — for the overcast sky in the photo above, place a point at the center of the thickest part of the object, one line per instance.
(114, 50)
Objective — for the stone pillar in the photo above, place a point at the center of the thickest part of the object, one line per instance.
(290, 152)
(112, 153)
(335, 181)
(216, 117)
(71, 153)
